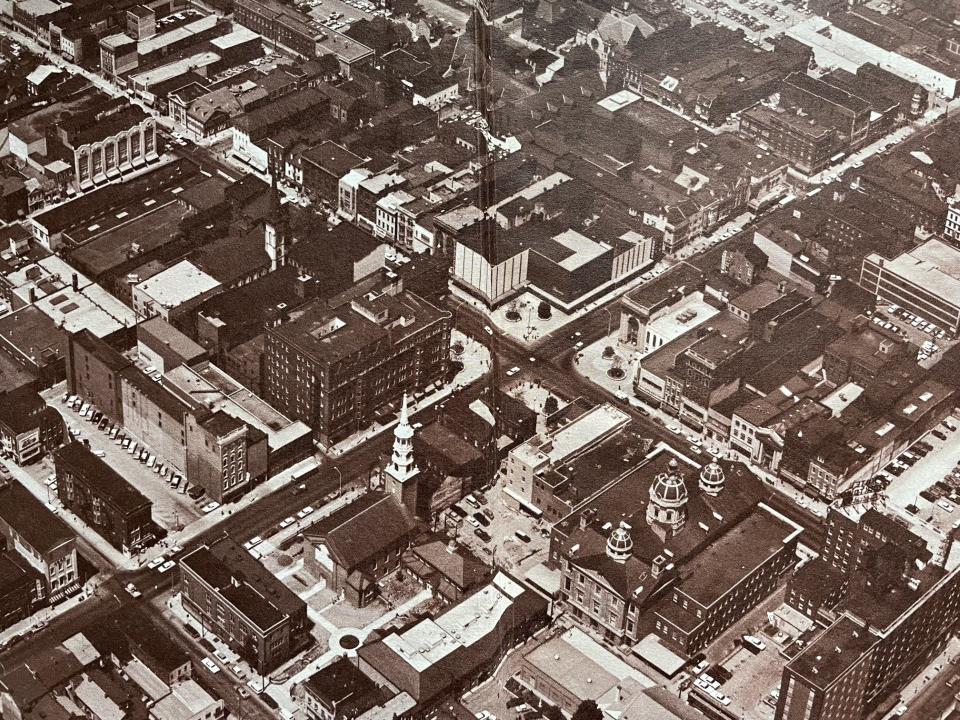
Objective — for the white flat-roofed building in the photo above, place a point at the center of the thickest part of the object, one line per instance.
(173, 292)
(441, 656)
(542, 452)
(187, 701)
(924, 281)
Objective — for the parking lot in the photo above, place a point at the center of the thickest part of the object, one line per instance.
(907, 492)
(931, 339)
(172, 509)
(339, 15)
(499, 538)
(759, 19)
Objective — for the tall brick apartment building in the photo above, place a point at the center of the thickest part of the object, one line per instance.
(336, 370)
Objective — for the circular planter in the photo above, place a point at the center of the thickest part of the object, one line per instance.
(349, 642)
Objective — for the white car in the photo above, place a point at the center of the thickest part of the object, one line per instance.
(167, 566)
(675, 429)
(287, 522)
(210, 665)
(473, 521)
(238, 671)
(210, 507)
(221, 655)
(755, 642)
(132, 589)
(306, 511)
(512, 371)
(157, 562)
(253, 542)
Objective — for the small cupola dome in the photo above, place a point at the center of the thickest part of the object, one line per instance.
(620, 544)
(712, 479)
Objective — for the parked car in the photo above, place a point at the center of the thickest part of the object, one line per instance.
(482, 534)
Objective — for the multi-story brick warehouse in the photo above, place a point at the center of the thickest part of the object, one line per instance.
(716, 552)
(337, 369)
(103, 499)
(237, 598)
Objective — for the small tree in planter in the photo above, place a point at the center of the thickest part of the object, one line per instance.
(550, 405)
(457, 349)
(544, 311)
(616, 370)
(608, 352)
(513, 313)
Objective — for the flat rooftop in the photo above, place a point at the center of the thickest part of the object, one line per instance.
(582, 249)
(163, 73)
(177, 284)
(39, 527)
(579, 664)
(162, 40)
(618, 100)
(221, 392)
(745, 547)
(462, 625)
(244, 582)
(832, 653)
(575, 436)
(105, 481)
(113, 248)
(933, 266)
(688, 314)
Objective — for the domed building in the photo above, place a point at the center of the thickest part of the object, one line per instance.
(668, 522)
(620, 544)
(668, 499)
(712, 479)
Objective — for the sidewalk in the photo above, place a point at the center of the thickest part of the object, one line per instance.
(915, 686)
(528, 329)
(592, 365)
(42, 493)
(476, 363)
(45, 615)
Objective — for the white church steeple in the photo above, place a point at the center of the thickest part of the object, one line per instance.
(402, 470)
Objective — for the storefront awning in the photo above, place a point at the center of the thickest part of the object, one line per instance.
(652, 651)
(527, 507)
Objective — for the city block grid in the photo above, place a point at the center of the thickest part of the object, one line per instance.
(371, 360)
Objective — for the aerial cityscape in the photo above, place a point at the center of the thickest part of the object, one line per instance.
(480, 360)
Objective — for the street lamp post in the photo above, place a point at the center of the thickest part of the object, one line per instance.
(339, 481)
(609, 320)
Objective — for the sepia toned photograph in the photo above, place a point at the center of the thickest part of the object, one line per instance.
(479, 360)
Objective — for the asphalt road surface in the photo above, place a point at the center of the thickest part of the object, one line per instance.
(550, 361)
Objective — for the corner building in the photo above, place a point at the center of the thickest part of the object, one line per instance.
(335, 369)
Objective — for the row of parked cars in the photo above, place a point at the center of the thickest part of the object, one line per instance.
(132, 446)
